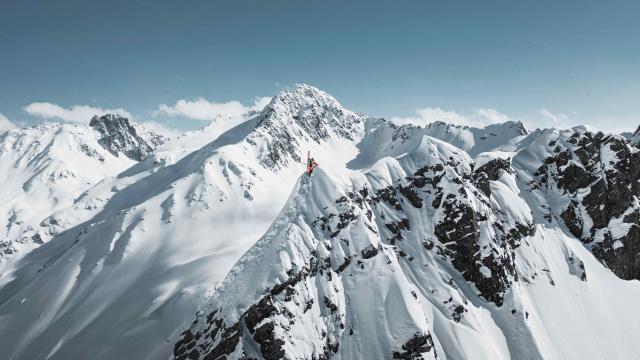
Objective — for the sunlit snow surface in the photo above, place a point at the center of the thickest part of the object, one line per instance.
(144, 246)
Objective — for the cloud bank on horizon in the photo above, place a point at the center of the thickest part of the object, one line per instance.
(200, 109)
(204, 110)
(74, 114)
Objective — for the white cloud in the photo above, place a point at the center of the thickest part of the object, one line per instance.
(556, 118)
(76, 113)
(5, 123)
(492, 116)
(202, 109)
(478, 118)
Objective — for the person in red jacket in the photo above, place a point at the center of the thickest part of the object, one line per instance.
(311, 163)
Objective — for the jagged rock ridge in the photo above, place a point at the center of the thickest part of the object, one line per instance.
(119, 136)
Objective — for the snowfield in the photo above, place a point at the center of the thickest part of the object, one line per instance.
(407, 242)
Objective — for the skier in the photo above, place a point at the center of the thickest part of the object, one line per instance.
(311, 163)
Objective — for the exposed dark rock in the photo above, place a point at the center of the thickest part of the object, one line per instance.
(118, 136)
(410, 193)
(258, 312)
(415, 347)
(460, 232)
(611, 188)
(396, 228)
(330, 305)
(369, 252)
(457, 313)
(270, 346)
(490, 172)
(388, 194)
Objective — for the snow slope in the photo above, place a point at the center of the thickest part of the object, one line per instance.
(409, 258)
(46, 168)
(150, 243)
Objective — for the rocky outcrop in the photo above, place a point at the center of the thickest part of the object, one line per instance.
(119, 136)
(598, 176)
(490, 172)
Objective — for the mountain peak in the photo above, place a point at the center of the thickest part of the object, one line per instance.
(288, 103)
(119, 136)
(304, 113)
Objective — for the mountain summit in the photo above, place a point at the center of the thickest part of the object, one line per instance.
(301, 115)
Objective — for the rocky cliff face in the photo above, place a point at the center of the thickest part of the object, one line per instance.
(119, 136)
(598, 178)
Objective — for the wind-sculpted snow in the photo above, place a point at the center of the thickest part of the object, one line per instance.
(337, 273)
(299, 307)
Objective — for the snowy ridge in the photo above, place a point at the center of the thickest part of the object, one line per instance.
(357, 270)
(589, 182)
(448, 256)
(503, 136)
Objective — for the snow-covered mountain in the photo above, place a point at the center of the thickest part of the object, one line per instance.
(47, 167)
(143, 248)
(473, 140)
(407, 242)
(422, 255)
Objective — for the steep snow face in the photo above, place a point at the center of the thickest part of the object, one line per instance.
(144, 248)
(503, 136)
(415, 256)
(45, 169)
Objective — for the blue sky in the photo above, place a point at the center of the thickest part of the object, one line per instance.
(548, 63)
